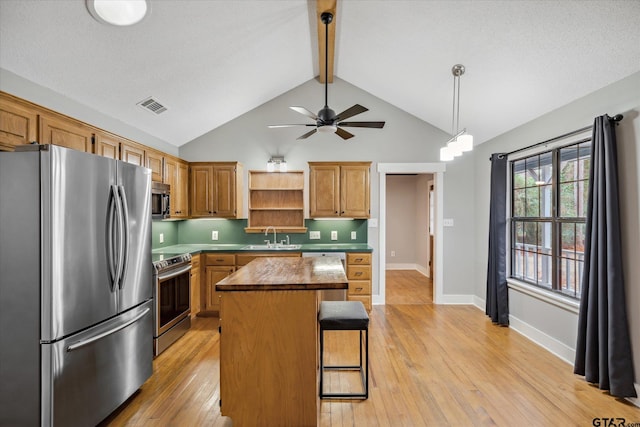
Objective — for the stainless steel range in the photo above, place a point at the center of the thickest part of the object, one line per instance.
(171, 299)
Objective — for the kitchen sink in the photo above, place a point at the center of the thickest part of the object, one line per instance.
(276, 247)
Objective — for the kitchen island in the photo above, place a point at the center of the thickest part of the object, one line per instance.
(269, 339)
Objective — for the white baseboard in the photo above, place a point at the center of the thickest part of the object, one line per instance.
(456, 299)
(563, 351)
(408, 266)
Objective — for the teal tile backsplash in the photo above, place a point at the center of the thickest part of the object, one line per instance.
(232, 231)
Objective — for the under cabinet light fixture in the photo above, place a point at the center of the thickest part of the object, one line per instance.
(118, 12)
(277, 164)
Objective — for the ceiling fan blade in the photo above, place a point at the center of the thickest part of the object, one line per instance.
(378, 125)
(308, 134)
(304, 111)
(343, 134)
(290, 126)
(350, 112)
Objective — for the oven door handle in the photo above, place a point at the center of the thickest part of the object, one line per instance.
(173, 273)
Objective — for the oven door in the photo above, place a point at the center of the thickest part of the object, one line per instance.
(172, 298)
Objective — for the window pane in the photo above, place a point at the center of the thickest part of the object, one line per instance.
(582, 198)
(519, 203)
(544, 271)
(518, 180)
(532, 208)
(568, 208)
(568, 240)
(568, 164)
(546, 201)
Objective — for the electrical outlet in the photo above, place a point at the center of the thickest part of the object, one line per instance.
(214, 235)
(161, 237)
(393, 253)
(353, 235)
(334, 235)
(314, 235)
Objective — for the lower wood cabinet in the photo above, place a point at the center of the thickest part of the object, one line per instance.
(359, 276)
(195, 284)
(217, 266)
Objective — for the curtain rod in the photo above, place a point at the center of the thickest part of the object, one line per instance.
(616, 118)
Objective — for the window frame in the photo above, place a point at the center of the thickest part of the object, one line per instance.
(554, 291)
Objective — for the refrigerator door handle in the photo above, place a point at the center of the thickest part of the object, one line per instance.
(119, 234)
(125, 233)
(95, 338)
(111, 255)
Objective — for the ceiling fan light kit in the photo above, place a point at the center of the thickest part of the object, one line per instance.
(461, 141)
(327, 121)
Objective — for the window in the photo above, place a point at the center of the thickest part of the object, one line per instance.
(549, 194)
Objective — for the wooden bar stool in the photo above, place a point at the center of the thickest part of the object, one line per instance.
(345, 316)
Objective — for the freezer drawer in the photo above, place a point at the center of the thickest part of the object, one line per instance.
(88, 375)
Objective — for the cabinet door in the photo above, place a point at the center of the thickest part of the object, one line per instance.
(182, 194)
(132, 153)
(354, 189)
(66, 133)
(195, 284)
(18, 124)
(224, 201)
(154, 160)
(214, 275)
(107, 146)
(324, 191)
(201, 190)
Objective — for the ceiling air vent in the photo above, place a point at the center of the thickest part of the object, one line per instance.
(152, 105)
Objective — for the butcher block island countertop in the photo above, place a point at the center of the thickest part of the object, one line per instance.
(269, 339)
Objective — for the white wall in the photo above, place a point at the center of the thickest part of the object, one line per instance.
(554, 326)
(404, 139)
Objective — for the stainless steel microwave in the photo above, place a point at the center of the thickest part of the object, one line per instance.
(160, 207)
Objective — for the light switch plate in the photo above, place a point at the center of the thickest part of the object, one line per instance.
(447, 222)
(314, 235)
(373, 222)
(214, 235)
(334, 235)
(161, 237)
(353, 235)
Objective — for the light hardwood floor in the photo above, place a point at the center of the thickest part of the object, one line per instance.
(430, 366)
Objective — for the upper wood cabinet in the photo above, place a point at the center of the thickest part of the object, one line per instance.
(107, 145)
(176, 174)
(276, 199)
(18, 123)
(154, 160)
(339, 189)
(59, 130)
(216, 189)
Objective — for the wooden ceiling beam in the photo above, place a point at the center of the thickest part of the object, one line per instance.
(326, 6)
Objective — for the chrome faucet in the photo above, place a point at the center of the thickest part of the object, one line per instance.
(266, 233)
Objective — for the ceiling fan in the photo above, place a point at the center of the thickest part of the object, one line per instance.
(326, 119)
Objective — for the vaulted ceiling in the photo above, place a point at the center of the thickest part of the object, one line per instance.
(210, 61)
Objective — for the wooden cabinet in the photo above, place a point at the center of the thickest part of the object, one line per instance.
(18, 123)
(176, 174)
(359, 276)
(276, 199)
(216, 189)
(154, 160)
(107, 145)
(245, 258)
(339, 189)
(195, 284)
(217, 266)
(59, 130)
(133, 153)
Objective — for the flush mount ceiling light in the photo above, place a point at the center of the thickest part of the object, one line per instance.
(118, 12)
(461, 141)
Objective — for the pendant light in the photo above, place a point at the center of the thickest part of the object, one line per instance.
(461, 141)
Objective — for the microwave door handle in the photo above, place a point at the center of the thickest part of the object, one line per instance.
(125, 233)
(110, 237)
(166, 205)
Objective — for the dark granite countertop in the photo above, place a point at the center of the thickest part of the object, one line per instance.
(242, 247)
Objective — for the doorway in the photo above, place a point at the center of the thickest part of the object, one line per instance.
(437, 170)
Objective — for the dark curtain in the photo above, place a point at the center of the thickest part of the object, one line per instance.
(497, 293)
(603, 350)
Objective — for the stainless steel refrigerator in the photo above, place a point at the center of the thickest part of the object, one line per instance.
(76, 323)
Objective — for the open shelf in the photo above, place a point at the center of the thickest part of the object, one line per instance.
(276, 199)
